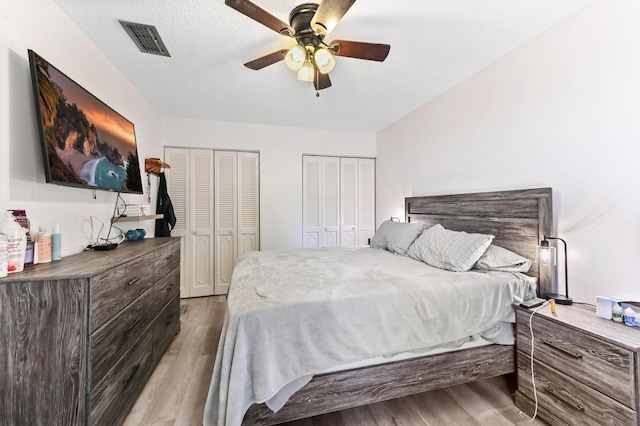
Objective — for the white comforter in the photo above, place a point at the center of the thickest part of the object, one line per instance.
(297, 312)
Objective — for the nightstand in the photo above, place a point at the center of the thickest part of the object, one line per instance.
(586, 368)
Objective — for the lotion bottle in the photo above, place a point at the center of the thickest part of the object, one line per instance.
(56, 243)
(17, 243)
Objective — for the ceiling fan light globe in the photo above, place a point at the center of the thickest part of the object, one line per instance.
(306, 73)
(295, 57)
(324, 60)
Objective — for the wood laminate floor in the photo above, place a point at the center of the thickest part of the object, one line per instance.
(177, 390)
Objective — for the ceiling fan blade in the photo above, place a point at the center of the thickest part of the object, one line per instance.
(321, 81)
(360, 50)
(329, 13)
(260, 15)
(267, 60)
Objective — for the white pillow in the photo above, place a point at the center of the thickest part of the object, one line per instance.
(451, 250)
(498, 258)
(396, 236)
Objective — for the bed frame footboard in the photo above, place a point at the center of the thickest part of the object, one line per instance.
(352, 388)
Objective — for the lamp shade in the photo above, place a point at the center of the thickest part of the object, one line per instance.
(307, 72)
(547, 253)
(296, 57)
(324, 60)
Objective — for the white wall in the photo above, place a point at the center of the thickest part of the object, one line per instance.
(561, 111)
(281, 150)
(41, 26)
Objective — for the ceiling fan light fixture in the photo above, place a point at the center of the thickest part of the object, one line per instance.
(324, 60)
(307, 72)
(296, 57)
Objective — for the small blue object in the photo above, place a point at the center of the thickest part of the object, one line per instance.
(135, 234)
(131, 235)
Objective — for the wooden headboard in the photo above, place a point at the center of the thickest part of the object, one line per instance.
(519, 219)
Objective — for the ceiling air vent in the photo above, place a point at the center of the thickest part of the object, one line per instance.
(146, 37)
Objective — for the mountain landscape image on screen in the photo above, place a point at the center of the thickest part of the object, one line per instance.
(87, 143)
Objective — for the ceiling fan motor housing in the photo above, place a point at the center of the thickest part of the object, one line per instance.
(300, 19)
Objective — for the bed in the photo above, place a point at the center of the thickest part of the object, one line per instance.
(518, 219)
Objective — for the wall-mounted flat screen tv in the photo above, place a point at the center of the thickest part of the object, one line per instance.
(84, 142)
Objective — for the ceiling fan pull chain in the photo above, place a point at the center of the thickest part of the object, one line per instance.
(317, 80)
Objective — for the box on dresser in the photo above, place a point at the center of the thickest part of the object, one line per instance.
(586, 367)
(80, 337)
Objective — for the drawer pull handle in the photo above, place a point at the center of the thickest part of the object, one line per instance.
(127, 381)
(169, 320)
(132, 282)
(168, 289)
(132, 326)
(572, 354)
(573, 404)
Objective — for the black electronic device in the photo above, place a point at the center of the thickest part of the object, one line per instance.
(84, 142)
(105, 246)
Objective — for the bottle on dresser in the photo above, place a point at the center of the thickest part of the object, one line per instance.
(43, 241)
(56, 243)
(4, 255)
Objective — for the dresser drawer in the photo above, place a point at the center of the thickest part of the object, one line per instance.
(166, 259)
(117, 336)
(166, 289)
(605, 367)
(113, 397)
(113, 290)
(165, 328)
(570, 400)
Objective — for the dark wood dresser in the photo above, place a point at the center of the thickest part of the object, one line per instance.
(587, 369)
(80, 337)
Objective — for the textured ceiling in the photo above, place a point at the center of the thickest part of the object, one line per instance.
(435, 44)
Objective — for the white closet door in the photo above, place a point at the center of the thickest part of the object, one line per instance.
(330, 202)
(201, 183)
(348, 202)
(311, 224)
(226, 210)
(178, 188)
(366, 200)
(248, 202)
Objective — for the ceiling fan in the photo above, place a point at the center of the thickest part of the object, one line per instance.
(309, 24)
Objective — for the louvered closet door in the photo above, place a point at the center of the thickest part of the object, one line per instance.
(178, 188)
(330, 202)
(348, 202)
(202, 225)
(248, 202)
(366, 200)
(311, 201)
(226, 214)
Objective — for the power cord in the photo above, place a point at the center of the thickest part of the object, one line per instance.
(117, 239)
(90, 221)
(533, 377)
